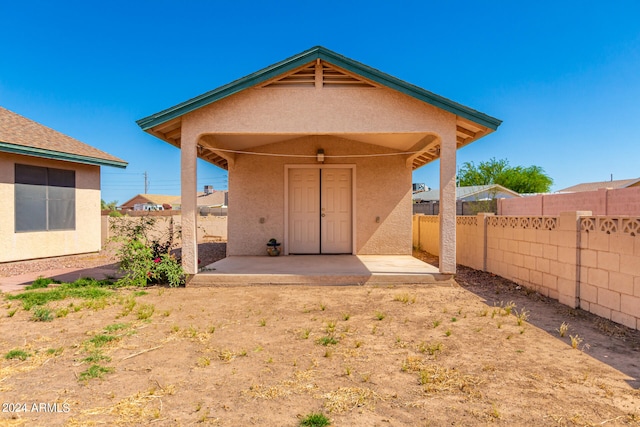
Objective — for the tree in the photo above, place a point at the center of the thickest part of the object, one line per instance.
(108, 206)
(531, 179)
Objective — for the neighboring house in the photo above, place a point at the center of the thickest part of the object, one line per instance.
(471, 193)
(167, 201)
(592, 186)
(320, 151)
(213, 199)
(209, 198)
(50, 191)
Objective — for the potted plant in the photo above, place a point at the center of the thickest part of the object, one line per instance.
(273, 247)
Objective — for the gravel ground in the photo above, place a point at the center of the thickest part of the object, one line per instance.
(207, 253)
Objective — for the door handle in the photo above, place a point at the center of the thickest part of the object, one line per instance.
(323, 215)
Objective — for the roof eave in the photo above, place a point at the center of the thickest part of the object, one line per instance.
(293, 62)
(58, 155)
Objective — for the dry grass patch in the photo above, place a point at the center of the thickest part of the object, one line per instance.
(348, 398)
(302, 382)
(438, 379)
(33, 360)
(133, 409)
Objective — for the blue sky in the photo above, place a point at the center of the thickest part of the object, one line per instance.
(563, 76)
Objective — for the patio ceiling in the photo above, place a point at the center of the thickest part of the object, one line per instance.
(466, 132)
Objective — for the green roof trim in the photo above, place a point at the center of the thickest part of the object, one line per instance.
(303, 58)
(58, 155)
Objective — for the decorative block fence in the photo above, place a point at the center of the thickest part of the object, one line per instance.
(591, 262)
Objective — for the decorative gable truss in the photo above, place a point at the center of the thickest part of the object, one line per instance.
(320, 75)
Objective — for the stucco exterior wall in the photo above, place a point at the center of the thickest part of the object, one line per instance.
(382, 189)
(30, 245)
(311, 111)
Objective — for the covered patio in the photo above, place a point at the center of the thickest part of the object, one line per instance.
(320, 151)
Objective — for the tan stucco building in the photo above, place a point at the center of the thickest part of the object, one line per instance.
(320, 151)
(50, 191)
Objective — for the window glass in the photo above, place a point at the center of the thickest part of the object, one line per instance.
(45, 199)
(62, 208)
(62, 178)
(31, 175)
(31, 207)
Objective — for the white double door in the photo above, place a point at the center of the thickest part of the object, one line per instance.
(320, 211)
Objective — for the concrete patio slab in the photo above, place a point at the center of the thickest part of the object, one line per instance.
(318, 270)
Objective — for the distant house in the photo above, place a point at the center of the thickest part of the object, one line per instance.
(166, 201)
(469, 194)
(593, 186)
(209, 198)
(213, 199)
(50, 191)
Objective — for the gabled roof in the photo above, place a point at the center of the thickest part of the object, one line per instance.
(20, 135)
(463, 192)
(331, 57)
(216, 198)
(155, 199)
(593, 186)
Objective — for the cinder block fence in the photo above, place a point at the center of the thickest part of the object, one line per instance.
(581, 260)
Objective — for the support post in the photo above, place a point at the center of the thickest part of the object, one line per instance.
(569, 257)
(448, 203)
(188, 177)
(481, 250)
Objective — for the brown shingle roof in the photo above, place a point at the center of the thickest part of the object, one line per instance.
(214, 199)
(593, 186)
(21, 135)
(217, 198)
(156, 199)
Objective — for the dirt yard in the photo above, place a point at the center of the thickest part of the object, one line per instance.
(271, 355)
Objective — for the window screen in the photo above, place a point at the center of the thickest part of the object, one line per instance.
(45, 199)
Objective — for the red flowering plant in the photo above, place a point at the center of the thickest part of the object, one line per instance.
(145, 260)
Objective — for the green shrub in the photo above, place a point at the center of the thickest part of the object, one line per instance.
(42, 314)
(17, 354)
(315, 420)
(95, 371)
(41, 282)
(168, 270)
(144, 260)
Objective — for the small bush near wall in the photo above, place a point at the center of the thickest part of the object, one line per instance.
(145, 259)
